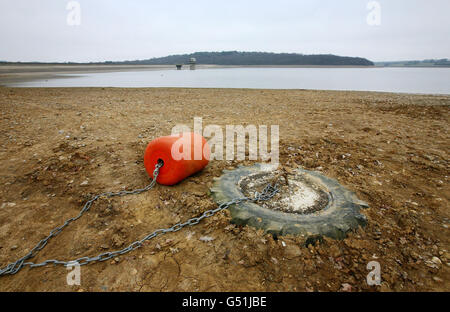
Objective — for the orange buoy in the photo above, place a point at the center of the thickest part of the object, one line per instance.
(182, 154)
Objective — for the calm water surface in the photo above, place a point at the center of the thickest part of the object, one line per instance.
(409, 80)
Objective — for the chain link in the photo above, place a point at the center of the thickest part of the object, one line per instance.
(12, 268)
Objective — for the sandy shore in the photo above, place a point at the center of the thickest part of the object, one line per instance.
(23, 73)
(60, 146)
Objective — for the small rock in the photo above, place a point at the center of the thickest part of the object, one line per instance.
(377, 235)
(117, 241)
(432, 264)
(292, 251)
(14, 247)
(385, 288)
(436, 260)
(437, 279)
(346, 287)
(8, 205)
(404, 275)
(206, 239)
(335, 251)
(84, 183)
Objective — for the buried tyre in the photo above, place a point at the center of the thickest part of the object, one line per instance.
(309, 204)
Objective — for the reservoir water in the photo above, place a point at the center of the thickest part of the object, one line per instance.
(408, 80)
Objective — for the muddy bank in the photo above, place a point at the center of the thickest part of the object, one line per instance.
(60, 146)
(10, 73)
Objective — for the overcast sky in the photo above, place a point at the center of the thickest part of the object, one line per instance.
(37, 30)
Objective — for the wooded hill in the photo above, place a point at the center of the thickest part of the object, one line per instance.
(254, 58)
(235, 58)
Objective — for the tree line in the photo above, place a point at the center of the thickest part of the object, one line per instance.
(255, 58)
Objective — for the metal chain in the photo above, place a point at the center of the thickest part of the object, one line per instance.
(12, 268)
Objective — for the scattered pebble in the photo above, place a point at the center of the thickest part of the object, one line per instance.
(436, 260)
(206, 239)
(346, 287)
(8, 205)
